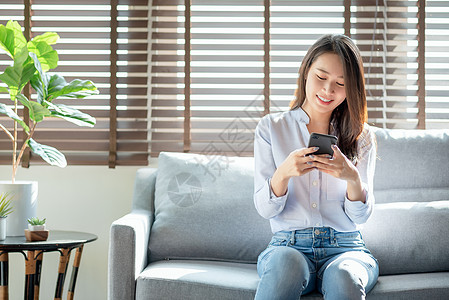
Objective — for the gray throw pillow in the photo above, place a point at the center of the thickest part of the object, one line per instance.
(409, 237)
(204, 209)
(399, 167)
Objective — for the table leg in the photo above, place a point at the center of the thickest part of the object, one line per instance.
(30, 275)
(37, 279)
(76, 265)
(63, 261)
(4, 276)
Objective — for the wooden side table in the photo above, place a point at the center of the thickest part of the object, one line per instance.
(62, 241)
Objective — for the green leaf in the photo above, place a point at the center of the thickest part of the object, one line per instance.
(18, 75)
(19, 39)
(49, 154)
(10, 113)
(12, 39)
(71, 114)
(4, 90)
(36, 83)
(50, 38)
(35, 221)
(5, 204)
(40, 80)
(47, 56)
(7, 40)
(77, 88)
(37, 111)
(56, 83)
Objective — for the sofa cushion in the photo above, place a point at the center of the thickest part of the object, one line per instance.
(409, 237)
(410, 160)
(433, 285)
(197, 280)
(204, 209)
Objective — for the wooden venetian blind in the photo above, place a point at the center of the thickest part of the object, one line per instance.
(219, 66)
(237, 53)
(225, 59)
(106, 42)
(386, 32)
(437, 64)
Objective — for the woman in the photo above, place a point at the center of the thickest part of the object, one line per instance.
(316, 203)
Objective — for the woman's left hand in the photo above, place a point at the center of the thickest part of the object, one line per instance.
(339, 166)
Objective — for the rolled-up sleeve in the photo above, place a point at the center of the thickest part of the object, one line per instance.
(268, 205)
(358, 211)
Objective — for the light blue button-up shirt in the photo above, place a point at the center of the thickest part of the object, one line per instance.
(315, 199)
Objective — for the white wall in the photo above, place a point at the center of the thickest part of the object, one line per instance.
(78, 198)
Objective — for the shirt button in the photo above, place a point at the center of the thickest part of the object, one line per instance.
(315, 183)
(314, 205)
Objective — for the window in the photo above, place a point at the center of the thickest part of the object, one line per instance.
(218, 66)
(437, 64)
(106, 42)
(387, 33)
(241, 63)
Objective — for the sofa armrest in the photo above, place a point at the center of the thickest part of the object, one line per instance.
(128, 251)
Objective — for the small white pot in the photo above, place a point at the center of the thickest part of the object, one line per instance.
(2, 228)
(36, 227)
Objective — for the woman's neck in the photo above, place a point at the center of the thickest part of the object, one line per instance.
(318, 123)
(318, 128)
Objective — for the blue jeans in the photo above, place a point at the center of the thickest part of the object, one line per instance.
(295, 263)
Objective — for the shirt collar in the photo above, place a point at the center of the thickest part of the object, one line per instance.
(301, 115)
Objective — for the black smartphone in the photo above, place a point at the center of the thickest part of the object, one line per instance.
(324, 142)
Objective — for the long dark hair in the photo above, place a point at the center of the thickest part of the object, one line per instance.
(349, 117)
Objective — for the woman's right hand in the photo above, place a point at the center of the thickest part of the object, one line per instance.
(296, 164)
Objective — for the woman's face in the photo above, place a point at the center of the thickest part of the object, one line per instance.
(325, 88)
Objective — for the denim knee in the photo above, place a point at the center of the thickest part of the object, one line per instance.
(284, 274)
(290, 260)
(344, 280)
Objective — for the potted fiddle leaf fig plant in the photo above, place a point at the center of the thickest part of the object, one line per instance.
(31, 62)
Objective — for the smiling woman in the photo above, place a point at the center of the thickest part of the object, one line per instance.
(310, 197)
(325, 82)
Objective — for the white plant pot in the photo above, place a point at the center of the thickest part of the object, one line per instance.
(2, 228)
(36, 227)
(24, 204)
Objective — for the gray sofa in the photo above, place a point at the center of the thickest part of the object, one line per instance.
(193, 231)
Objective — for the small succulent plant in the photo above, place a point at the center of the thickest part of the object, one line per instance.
(5, 205)
(35, 221)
